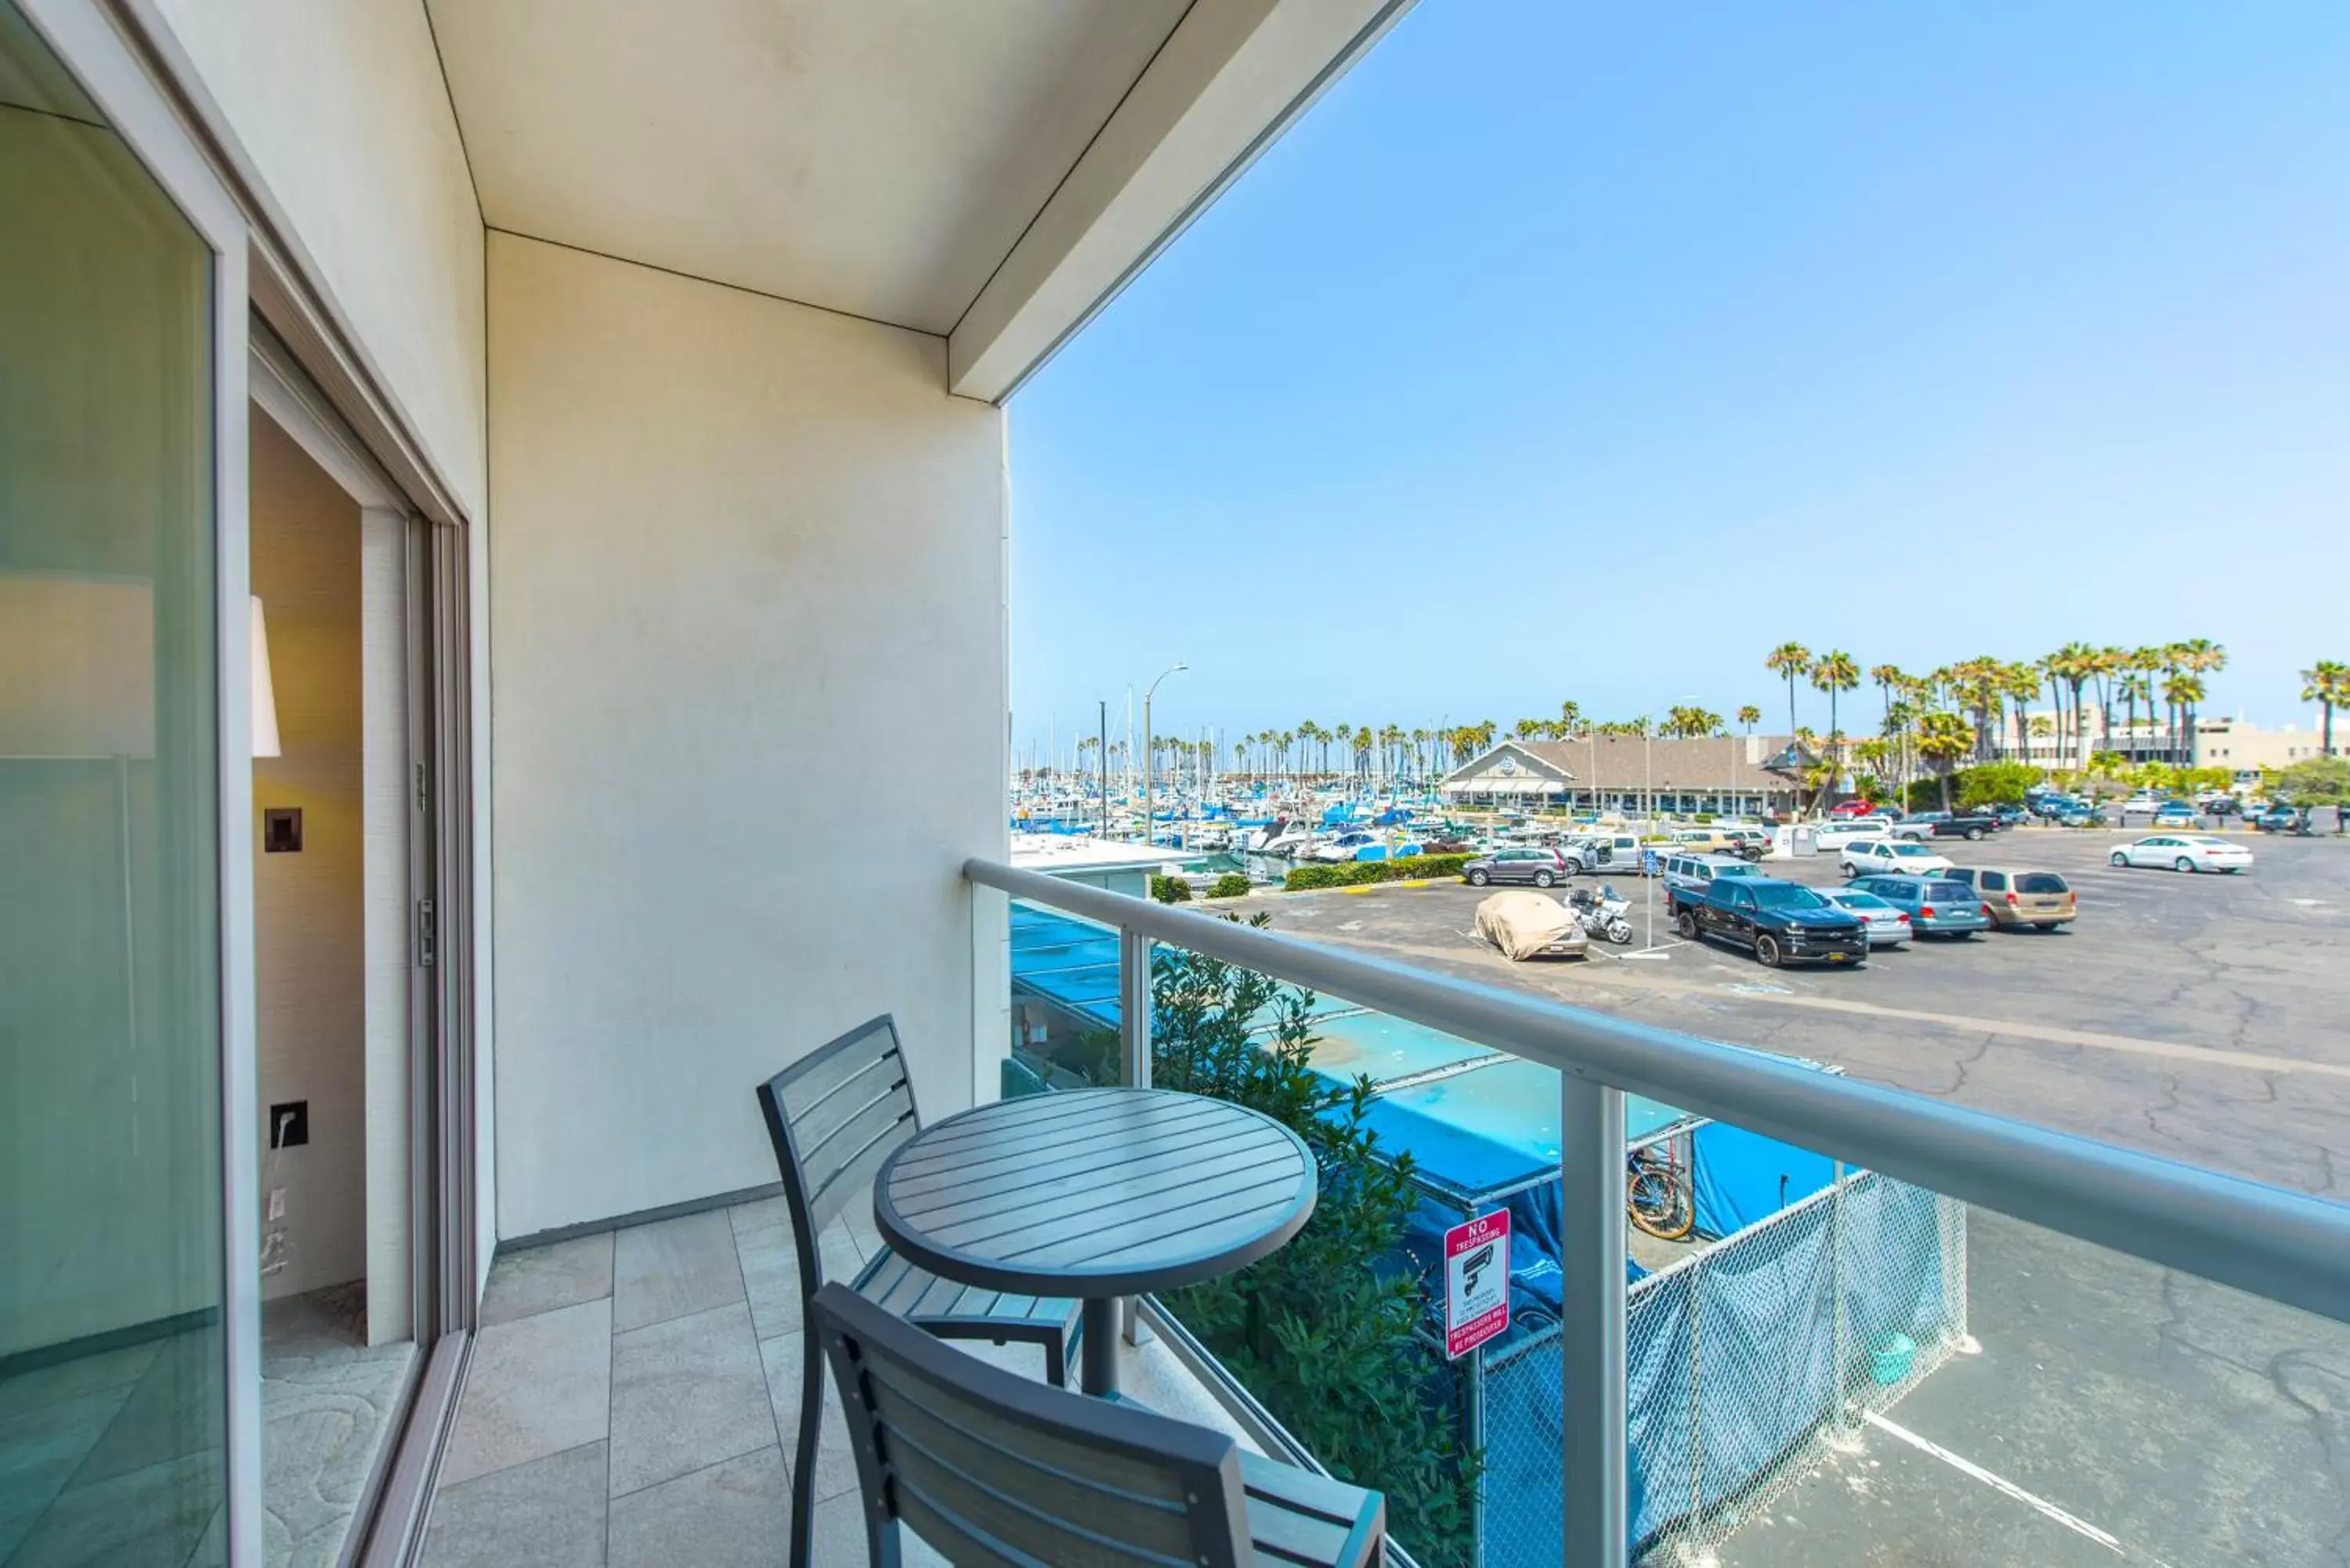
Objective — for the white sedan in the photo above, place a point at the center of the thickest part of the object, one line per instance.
(1889, 856)
(2184, 852)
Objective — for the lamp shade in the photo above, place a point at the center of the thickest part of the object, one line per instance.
(265, 689)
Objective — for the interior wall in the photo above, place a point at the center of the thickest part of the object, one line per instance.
(343, 111)
(309, 912)
(748, 630)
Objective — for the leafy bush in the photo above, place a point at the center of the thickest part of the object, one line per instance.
(1357, 873)
(1170, 889)
(1231, 885)
(1996, 783)
(1321, 1331)
(1703, 819)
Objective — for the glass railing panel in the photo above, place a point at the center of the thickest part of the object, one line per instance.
(1332, 1334)
(1834, 1366)
(1063, 1004)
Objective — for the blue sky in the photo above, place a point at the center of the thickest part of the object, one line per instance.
(1590, 351)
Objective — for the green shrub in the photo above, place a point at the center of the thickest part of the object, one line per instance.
(1995, 784)
(1170, 889)
(1322, 1331)
(1359, 873)
(1703, 819)
(1231, 885)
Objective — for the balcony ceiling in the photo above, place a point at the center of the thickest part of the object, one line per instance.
(880, 157)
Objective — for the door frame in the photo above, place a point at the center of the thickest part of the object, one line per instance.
(126, 58)
(433, 893)
(107, 69)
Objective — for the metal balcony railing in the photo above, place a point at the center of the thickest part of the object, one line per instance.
(2289, 1248)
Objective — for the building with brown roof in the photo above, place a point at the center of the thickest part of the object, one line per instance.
(1726, 774)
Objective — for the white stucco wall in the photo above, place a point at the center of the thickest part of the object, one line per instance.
(741, 543)
(342, 109)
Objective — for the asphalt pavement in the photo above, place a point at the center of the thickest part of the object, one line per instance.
(2114, 1410)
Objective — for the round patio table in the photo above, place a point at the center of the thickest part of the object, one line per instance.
(1096, 1194)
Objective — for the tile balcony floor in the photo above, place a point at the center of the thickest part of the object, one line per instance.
(634, 1400)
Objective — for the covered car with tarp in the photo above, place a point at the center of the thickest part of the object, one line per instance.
(1531, 925)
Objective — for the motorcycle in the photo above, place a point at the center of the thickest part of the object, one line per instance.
(1604, 913)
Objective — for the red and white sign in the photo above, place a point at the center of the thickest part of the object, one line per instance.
(1476, 1281)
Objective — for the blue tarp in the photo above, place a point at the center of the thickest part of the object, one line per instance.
(1742, 1177)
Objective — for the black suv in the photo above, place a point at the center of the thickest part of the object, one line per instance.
(1782, 922)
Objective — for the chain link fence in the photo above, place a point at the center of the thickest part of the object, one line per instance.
(1742, 1362)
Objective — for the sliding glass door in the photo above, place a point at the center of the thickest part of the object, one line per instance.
(113, 1403)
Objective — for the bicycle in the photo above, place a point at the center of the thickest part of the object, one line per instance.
(1656, 1192)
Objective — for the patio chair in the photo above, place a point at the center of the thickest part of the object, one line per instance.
(833, 1117)
(988, 1466)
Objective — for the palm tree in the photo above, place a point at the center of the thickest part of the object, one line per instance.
(2198, 656)
(2107, 664)
(1899, 717)
(1978, 686)
(2075, 662)
(1794, 661)
(1942, 738)
(1749, 716)
(1570, 718)
(2137, 686)
(1886, 677)
(2325, 684)
(2180, 692)
(1833, 673)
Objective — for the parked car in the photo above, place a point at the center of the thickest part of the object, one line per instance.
(2054, 803)
(1687, 876)
(1970, 827)
(1829, 834)
(1880, 856)
(1851, 808)
(2004, 814)
(1616, 852)
(1779, 922)
(2016, 896)
(1937, 907)
(2177, 814)
(2224, 805)
(2278, 819)
(1887, 924)
(2184, 852)
(2146, 803)
(2079, 815)
(1703, 841)
(1751, 842)
(1543, 868)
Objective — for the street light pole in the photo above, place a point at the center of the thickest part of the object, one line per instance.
(1147, 757)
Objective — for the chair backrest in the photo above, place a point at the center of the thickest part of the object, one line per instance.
(833, 1117)
(989, 1466)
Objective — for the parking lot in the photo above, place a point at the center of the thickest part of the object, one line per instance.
(2115, 1408)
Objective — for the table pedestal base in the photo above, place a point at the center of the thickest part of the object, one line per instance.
(1098, 1351)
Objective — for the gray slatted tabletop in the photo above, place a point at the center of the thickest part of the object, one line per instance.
(1097, 1194)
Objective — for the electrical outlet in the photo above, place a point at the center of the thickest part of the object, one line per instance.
(290, 1124)
(277, 1203)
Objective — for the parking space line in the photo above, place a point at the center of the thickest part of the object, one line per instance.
(1999, 1484)
(2170, 1050)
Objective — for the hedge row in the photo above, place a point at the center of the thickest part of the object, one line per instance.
(1357, 873)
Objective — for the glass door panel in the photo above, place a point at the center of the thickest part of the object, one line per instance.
(112, 1423)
